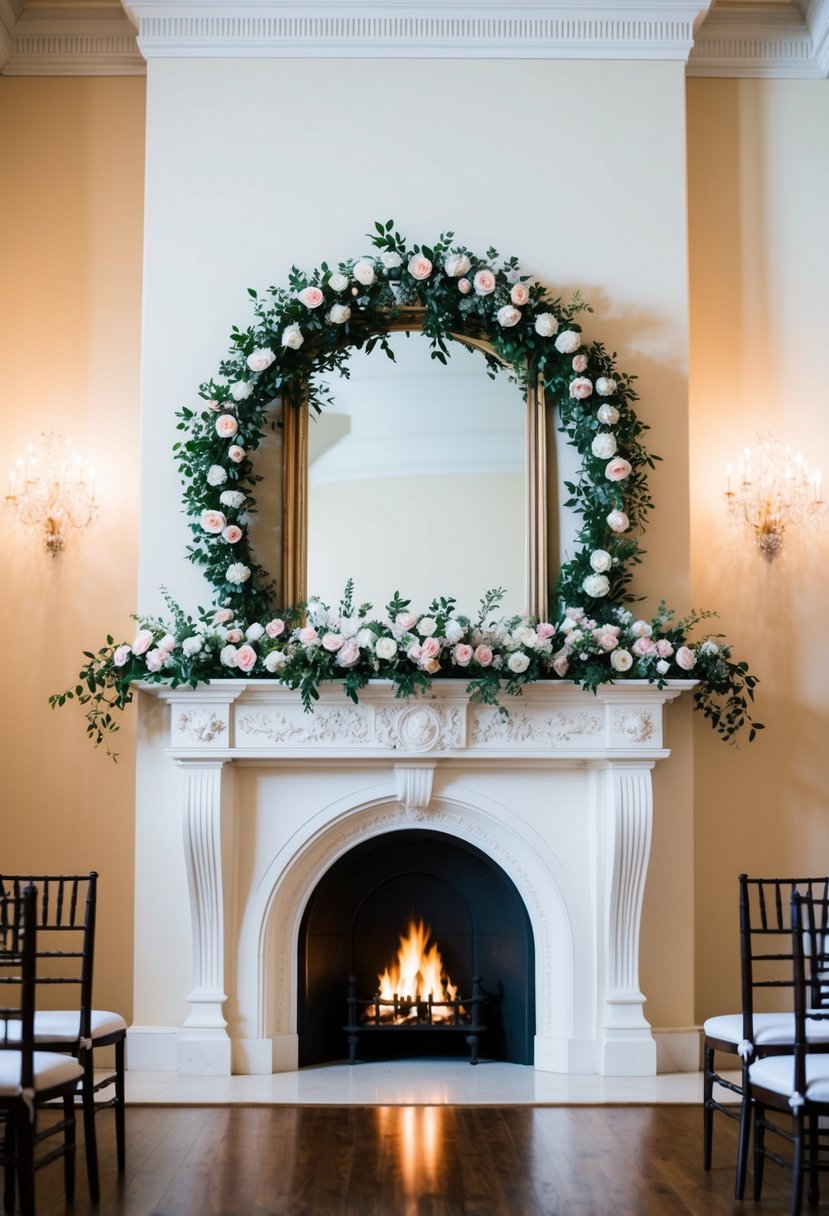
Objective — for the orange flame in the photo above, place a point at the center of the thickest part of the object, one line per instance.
(416, 976)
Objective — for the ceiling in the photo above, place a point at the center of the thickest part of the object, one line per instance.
(771, 38)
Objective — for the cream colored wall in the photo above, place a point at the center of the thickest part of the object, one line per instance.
(759, 258)
(71, 174)
(578, 168)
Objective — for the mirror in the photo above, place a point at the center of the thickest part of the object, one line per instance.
(421, 478)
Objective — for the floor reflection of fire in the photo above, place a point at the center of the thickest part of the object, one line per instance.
(415, 988)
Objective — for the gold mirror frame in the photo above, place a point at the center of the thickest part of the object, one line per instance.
(295, 479)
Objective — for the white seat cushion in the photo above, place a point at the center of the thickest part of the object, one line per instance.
(770, 1029)
(62, 1024)
(49, 1069)
(776, 1073)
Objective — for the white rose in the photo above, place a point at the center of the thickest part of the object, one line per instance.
(317, 613)
(237, 573)
(216, 475)
(232, 498)
(709, 647)
(227, 656)
(261, 359)
(456, 265)
(168, 643)
(641, 629)
(508, 316)
(618, 521)
(600, 560)
(546, 324)
(663, 667)
(241, 390)
(568, 342)
(385, 648)
(454, 632)
(339, 314)
(292, 337)
(365, 639)
(427, 626)
(604, 445)
(338, 282)
(621, 660)
(596, 585)
(518, 662)
(605, 386)
(191, 646)
(364, 272)
(275, 660)
(349, 626)
(608, 414)
(254, 632)
(391, 260)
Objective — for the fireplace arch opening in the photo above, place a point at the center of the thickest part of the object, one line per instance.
(364, 904)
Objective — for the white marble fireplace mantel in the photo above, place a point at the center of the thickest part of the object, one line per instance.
(556, 791)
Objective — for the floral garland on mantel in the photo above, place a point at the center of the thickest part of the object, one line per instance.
(309, 329)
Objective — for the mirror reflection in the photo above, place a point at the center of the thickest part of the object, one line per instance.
(416, 480)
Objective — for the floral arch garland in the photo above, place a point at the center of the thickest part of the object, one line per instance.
(590, 636)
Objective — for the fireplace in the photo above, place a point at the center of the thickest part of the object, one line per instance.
(365, 903)
(522, 838)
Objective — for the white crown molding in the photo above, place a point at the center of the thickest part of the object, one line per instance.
(817, 18)
(525, 29)
(8, 18)
(755, 40)
(73, 39)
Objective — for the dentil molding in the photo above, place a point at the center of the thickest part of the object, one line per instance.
(787, 38)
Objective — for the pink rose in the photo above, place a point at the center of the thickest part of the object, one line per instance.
(618, 469)
(223, 615)
(143, 641)
(406, 621)
(519, 294)
(685, 658)
(232, 534)
(348, 654)
(275, 628)
(484, 282)
(332, 641)
(419, 267)
(234, 636)
(580, 364)
(581, 387)
(430, 648)
(664, 648)
(414, 652)
(308, 635)
(508, 316)
(311, 297)
(544, 629)
(462, 655)
(464, 286)
(121, 656)
(483, 655)
(246, 658)
(156, 658)
(643, 647)
(608, 640)
(235, 453)
(213, 521)
(226, 426)
(560, 665)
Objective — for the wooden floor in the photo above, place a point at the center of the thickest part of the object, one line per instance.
(415, 1161)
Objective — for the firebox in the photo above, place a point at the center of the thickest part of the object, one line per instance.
(366, 903)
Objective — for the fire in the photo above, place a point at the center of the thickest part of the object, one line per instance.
(415, 978)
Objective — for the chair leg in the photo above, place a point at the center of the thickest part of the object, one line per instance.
(120, 1129)
(24, 1135)
(91, 1143)
(707, 1109)
(814, 1173)
(69, 1147)
(797, 1164)
(9, 1149)
(743, 1141)
(759, 1145)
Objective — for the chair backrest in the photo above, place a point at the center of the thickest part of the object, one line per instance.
(66, 908)
(810, 957)
(766, 950)
(18, 974)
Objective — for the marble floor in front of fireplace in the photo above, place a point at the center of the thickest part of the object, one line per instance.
(412, 1082)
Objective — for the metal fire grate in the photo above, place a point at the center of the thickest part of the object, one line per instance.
(465, 1017)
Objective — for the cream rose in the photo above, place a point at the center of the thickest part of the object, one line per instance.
(617, 521)
(261, 359)
(641, 629)
(227, 656)
(237, 573)
(519, 295)
(604, 445)
(568, 342)
(427, 626)
(311, 297)
(364, 272)
(484, 282)
(385, 648)
(216, 475)
(600, 560)
(621, 660)
(232, 498)
(292, 337)
(618, 469)
(454, 632)
(191, 646)
(338, 282)
(518, 662)
(339, 314)
(456, 265)
(254, 632)
(213, 521)
(608, 414)
(596, 585)
(508, 316)
(546, 325)
(275, 660)
(419, 267)
(605, 386)
(581, 388)
(241, 390)
(226, 426)
(391, 260)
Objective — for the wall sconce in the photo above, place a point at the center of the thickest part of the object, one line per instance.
(774, 489)
(52, 488)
